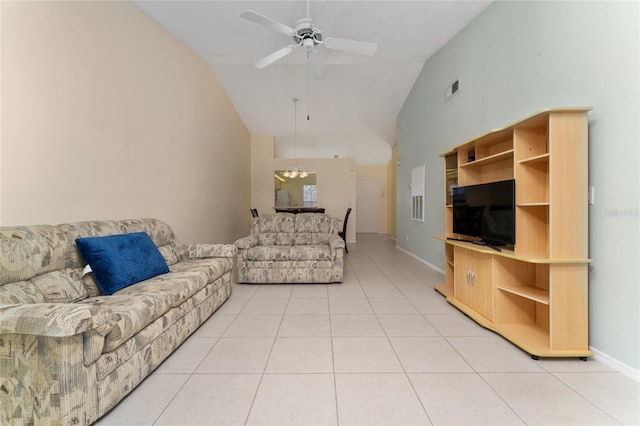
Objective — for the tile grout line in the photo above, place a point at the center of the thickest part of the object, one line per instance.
(266, 363)
(196, 367)
(395, 353)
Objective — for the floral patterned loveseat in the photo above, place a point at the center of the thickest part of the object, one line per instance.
(68, 354)
(291, 248)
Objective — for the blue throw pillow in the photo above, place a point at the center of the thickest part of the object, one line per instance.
(118, 261)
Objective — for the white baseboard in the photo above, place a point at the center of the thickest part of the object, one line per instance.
(615, 364)
(421, 260)
(597, 354)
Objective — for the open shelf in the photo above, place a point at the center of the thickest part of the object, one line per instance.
(532, 181)
(540, 204)
(535, 340)
(490, 159)
(542, 158)
(532, 222)
(450, 176)
(535, 336)
(532, 293)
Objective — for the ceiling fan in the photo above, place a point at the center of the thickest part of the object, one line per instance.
(305, 34)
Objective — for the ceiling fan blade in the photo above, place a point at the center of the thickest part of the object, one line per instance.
(317, 69)
(269, 59)
(351, 46)
(252, 16)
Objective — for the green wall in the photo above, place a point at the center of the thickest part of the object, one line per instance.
(515, 59)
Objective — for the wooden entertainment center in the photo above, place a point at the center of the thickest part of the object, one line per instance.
(534, 293)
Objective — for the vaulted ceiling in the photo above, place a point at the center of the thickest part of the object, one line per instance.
(352, 111)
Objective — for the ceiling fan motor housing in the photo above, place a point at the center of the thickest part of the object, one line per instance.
(306, 33)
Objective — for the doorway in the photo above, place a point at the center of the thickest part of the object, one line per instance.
(366, 206)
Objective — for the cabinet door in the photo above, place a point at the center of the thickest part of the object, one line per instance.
(462, 281)
(473, 280)
(482, 284)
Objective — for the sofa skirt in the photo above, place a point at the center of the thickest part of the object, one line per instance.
(288, 272)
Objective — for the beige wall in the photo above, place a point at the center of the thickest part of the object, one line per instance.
(107, 116)
(377, 173)
(336, 180)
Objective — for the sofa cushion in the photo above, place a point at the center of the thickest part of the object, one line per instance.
(137, 306)
(117, 261)
(20, 292)
(311, 252)
(269, 253)
(275, 238)
(313, 228)
(212, 268)
(131, 313)
(62, 286)
(276, 229)
(176, 287)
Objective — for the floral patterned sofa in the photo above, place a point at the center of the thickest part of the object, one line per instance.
(291, 248)
(68, 353)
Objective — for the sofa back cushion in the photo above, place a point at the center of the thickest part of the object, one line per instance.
(29, 251)
(161, 234)
(94, 228)
(76, 230)
(275, 229)
(314, 228)
(34, 268)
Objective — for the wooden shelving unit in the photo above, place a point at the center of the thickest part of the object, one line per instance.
(534, 293)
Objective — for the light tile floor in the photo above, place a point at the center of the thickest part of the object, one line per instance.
(382, 348)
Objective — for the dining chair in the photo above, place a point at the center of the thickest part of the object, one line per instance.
(343, 233)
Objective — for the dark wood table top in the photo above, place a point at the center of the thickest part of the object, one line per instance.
(296, 210)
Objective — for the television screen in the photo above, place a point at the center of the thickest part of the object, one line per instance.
(486, 211)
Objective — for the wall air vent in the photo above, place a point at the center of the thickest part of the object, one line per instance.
(452, 90)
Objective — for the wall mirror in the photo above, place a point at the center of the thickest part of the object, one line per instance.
(294, 192)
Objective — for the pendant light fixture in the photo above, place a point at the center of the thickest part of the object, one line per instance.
(295, 171)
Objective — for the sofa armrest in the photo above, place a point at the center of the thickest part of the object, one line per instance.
(55, 319)
(336, 242)
(202, 251)
(246, 242)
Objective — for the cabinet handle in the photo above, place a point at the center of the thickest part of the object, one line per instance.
(468, 276)
(473, 278)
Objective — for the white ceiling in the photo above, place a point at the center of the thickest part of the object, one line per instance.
(352, 112)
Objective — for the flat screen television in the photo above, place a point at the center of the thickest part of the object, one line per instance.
(486, 211)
